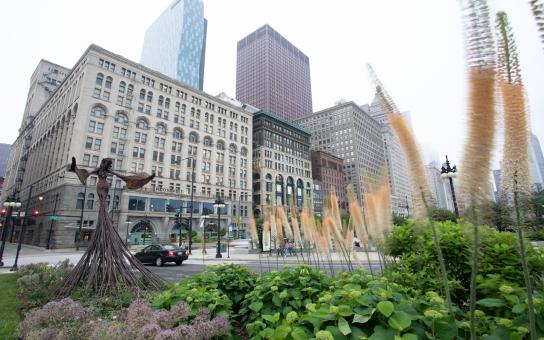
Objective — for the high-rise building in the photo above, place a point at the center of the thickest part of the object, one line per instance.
(440, 188)
(175, 44)
(329, 171)
(282, 172)
(273, 75)
(536, 160)
(399, 177)
(4, 157)
(109, 106)
(350, 133)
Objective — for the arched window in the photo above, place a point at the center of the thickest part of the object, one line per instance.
(211, 118)
(130, 90)
(108, 200)
(178, 133)
(268, 177)
(149, 96)
(193, 137)
(80, 200)
(232, 148)
(99, 79)
(207, 141)
(90, 201)
(183, 108)
(142, 124)
(161, 100)
(109, 80)
(167, 103)
(198, 114)
(243, 151)
(142, 94)
(220, 145)
(161, 129)
(121, 118)
(177, 106)
(122, 87)
(98, 111)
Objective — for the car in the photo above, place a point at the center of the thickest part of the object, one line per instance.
(160, 254)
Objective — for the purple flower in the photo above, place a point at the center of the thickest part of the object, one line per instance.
(138, 314)
(187, 332)
(148, 331)
(163, 318)
(167, 334)
(180, 311)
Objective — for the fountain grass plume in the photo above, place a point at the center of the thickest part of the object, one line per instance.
(294, 224)
(414, 160)
(357, 215)
(515, 164)
(477, 154)
(537, 8)
(253, 230)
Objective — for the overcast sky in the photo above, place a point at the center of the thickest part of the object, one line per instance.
(415, 47)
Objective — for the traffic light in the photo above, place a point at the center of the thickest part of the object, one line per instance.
(36, 213)
(4, 212)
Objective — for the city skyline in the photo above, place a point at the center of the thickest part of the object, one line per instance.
(420, 82)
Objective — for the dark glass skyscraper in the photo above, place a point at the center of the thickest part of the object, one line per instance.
(273, 75)
(175, 44)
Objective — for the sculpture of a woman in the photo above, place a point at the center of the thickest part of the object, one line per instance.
(108, 265)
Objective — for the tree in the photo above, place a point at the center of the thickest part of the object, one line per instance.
(442, 215)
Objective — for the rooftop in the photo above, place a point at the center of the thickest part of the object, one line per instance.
(281, 120)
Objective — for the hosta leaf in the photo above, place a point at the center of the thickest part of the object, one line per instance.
(519, 308)
(299, 334)
(345, 310)
(409, 336)
(343, 326)
(385, 307)
(490, 302)
(358, 318)
(256, 306)
(399, 321)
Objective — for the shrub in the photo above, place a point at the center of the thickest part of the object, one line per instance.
(283, 292)
(418, 265)
(197, 296)
(233, 280)
(67, 319)
(38, 281)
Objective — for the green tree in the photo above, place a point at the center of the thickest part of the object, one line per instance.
(442, 215)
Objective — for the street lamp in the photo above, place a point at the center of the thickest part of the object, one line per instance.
(204, 217)
(10, 203)
(219, 204)
(450, 173)
(23, 229)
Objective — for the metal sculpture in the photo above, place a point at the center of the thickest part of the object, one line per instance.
(108, 266)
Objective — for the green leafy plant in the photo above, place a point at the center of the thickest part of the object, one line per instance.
(196, 295)
(233, 280)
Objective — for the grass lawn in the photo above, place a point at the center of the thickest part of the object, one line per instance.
(9, 307)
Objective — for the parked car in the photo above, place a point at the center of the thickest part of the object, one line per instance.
(160, 254)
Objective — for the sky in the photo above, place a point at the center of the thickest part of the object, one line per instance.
(415, 47)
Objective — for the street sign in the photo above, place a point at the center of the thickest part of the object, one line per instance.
(55, 218)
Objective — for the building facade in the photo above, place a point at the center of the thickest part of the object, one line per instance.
(350, 133)
(536, 160)
(175, 44)
(282, 172)
(399, 177)
(273, 75)
(109, 106)
(328, 170)
(4, 158)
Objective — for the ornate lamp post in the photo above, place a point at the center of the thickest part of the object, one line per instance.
(219, 204)
(10, 203)
(450, 173)
(128, 226)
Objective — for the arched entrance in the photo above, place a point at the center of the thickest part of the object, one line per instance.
(175, 231)
(143, 232)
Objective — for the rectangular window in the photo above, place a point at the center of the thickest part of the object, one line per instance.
(136, 203)
(86, 159)
(97, 144)
(94, 161)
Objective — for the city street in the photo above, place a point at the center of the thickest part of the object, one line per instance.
(196, 263)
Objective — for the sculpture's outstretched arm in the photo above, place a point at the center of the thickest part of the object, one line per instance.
(135, 181)
(82, 174)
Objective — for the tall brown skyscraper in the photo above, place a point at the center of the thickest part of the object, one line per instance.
(273, 75)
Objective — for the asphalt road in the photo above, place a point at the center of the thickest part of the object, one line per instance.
(172, 272)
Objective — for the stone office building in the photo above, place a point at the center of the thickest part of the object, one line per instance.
(282, 172)
(109, 106)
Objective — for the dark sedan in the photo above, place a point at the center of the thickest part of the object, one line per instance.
(160, 254)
